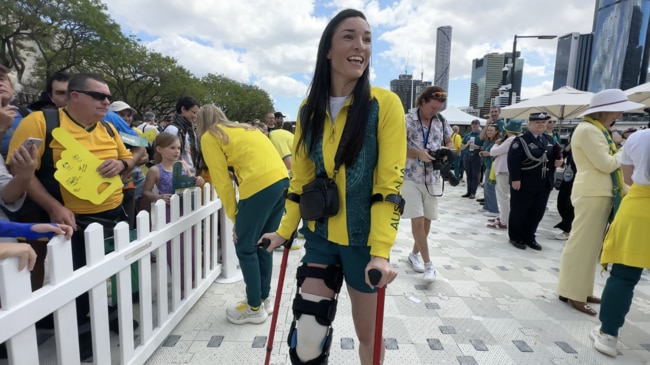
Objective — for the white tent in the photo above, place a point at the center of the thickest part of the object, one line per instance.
(459, 117)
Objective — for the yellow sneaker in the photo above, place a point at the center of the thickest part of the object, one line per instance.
(243, 313)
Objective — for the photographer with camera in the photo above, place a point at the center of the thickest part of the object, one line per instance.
(429, 148)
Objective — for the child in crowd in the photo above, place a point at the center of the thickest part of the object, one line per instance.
(168, 152)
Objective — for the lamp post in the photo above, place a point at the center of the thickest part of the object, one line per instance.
(514, 60)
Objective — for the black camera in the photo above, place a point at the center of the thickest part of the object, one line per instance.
(443, 162)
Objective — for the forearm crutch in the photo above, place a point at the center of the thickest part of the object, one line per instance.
(278, 294)
(375, 276)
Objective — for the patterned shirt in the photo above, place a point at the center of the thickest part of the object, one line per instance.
(416, 134)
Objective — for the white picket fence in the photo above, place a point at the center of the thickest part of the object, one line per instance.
(159, 310)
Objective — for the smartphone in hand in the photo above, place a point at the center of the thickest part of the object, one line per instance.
(29, 142)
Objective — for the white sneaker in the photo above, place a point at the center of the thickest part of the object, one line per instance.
(562, 236)
(603, 342)
(416, 262)
(268, 305)
(490, 214)
(429, 272)
(242, 313)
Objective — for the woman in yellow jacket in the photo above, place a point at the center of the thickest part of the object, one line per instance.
(626, 244)
(262, 179)
(344, 120)
(597, 161)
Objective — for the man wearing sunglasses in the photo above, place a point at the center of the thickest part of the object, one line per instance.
(426, 132)
(88, 101)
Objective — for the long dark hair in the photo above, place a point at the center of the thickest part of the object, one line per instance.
(312, 114)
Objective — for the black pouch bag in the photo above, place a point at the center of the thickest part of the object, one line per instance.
(319, 199)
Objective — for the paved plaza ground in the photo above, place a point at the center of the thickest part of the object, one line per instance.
(491, 304)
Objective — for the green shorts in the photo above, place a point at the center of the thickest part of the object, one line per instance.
(352, 259)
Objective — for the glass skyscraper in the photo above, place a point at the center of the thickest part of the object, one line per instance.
(621, 44)
(443, 57)
(488, 77)
(572, 61)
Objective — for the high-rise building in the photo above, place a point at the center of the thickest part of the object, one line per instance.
(621, 45)
(408, 89)
(573, 61)
(488, 75)
(443, 57)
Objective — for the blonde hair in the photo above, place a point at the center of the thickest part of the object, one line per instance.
(209, 119)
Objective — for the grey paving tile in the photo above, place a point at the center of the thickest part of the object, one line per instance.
(479, 345)
(522, 346)
(447, 330)
(435, 344)
(391, 344)
(259, 342)
(215, 341)
(566, 347)
(347, 343)
(171, 341)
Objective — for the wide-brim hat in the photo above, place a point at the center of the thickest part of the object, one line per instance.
(513, 126)
(118, 106)
(610, 100)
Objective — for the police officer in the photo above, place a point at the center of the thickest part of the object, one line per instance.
(532, 160)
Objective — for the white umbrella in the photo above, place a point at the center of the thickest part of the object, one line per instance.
(639, 94)
(565, 102)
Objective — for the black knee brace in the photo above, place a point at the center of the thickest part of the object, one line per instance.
(324, 311)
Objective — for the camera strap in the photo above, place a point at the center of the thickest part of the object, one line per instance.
(432, 193)
(425, 136)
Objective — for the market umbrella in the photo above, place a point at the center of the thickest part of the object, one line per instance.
(639, 94)
(565, 102)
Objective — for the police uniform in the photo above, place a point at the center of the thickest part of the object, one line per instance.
(531, 160)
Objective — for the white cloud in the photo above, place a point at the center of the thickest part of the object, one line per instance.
(535, 71)
(530, 92)
(201, 59)
(284, 86)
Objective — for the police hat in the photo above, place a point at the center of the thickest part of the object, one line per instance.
(538, 116)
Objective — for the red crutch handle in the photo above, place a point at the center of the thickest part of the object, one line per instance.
(375, 276)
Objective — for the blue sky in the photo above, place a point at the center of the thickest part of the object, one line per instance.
(272, 43)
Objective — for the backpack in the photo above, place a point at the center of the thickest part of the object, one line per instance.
(30, 211)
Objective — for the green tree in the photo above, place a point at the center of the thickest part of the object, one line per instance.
(63, 35)
(239, 101)
(148, 80)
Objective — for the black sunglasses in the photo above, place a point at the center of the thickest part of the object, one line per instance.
(96, 95)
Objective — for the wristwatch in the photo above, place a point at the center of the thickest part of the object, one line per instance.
(125, 164)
